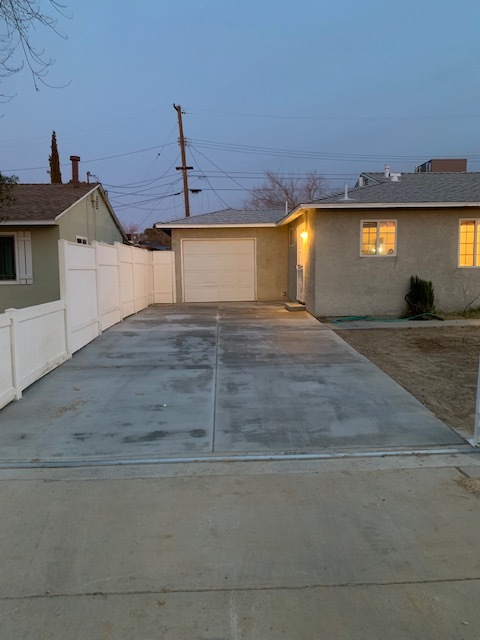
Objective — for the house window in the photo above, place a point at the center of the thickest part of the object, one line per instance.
(16, 258)
(82, 240)
(469, 245)
(8, 267)
(378, 238)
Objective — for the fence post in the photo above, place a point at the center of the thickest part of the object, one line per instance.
(476, 432)
(62, 261)
(97, 285)
(16, 373)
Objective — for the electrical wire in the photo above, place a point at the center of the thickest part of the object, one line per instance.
(220, 169)
(335, 118)
(210, 185)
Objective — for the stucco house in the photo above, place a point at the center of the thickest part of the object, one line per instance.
(230, 255)
(350, 253)
(30, 228)
(353, 253)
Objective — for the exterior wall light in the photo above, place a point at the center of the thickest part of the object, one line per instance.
(304, 236)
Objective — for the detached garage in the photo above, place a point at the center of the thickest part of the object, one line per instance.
(230, 256)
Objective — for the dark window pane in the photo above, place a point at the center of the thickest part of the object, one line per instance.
(7, 258)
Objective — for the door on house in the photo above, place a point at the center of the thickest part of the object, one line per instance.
(300, 263)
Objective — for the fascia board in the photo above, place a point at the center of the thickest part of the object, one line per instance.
(392, 205)
(28, 223)
(162, 225)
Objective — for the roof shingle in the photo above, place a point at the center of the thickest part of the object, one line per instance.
(411, 188)
(41, 202)
(227, 217)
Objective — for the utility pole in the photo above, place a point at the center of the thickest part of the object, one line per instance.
(184, 169)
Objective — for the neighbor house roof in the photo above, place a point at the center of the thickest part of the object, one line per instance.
(226, 218)
(43, 204)
(409, 190)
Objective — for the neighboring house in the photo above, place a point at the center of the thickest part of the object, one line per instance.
(354, 253)
(30, 228)
(230, 255)
(152, 239)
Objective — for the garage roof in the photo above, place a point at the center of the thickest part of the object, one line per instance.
(226, 218)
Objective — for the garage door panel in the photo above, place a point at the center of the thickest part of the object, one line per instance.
(219, 270)
(228, 279)
(224, 262)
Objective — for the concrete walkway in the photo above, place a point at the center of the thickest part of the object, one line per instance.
(203, 380)
(342, 550)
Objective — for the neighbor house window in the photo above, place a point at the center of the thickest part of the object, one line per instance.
(469, 246)
(378, 238)
(8, 267)
(16, 258)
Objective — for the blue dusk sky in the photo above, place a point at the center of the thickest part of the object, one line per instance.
(332, 86)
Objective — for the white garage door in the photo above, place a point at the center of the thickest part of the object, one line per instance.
(218, 270)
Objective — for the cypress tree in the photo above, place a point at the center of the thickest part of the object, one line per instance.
(54, 160)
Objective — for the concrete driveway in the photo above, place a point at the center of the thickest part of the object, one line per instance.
(203, 380)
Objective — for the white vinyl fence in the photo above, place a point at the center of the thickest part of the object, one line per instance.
(100, 285)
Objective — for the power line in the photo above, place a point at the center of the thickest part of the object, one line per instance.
(225, 174)
(211, 187)
(336, 117)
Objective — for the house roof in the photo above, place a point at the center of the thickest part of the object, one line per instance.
(36, 203)
(411, 190)
(43, 204)
(226, 218)
(454, 187)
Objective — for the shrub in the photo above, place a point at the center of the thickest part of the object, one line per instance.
(421, 297)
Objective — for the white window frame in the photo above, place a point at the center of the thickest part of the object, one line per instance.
(23, 257)
(475, 243)
(81, 239)
(377, 254)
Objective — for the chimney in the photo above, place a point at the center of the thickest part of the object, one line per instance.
(75, 160)
(387, 171)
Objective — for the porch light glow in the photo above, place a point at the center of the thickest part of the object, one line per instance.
(304, 235)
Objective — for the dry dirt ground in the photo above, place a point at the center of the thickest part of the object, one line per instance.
(437, 365)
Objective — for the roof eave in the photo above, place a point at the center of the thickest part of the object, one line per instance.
(28, 223)
(351, 204)
(172, 225)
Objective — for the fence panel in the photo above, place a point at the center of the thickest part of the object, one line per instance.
(7, 389)
(78, 283)
(39, 342)
(108, 284)
(164, 289)
(141, 263)
(127, 296)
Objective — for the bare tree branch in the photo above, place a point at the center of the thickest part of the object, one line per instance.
(18, 19)
(276, 190)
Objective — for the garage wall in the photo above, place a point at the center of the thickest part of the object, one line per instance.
(271, 258)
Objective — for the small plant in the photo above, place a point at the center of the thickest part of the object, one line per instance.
(421, 297)
(470, 296)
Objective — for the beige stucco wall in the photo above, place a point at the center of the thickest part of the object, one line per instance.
(271, 258)
(427, 246)
(84, 219)
(45, 287)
